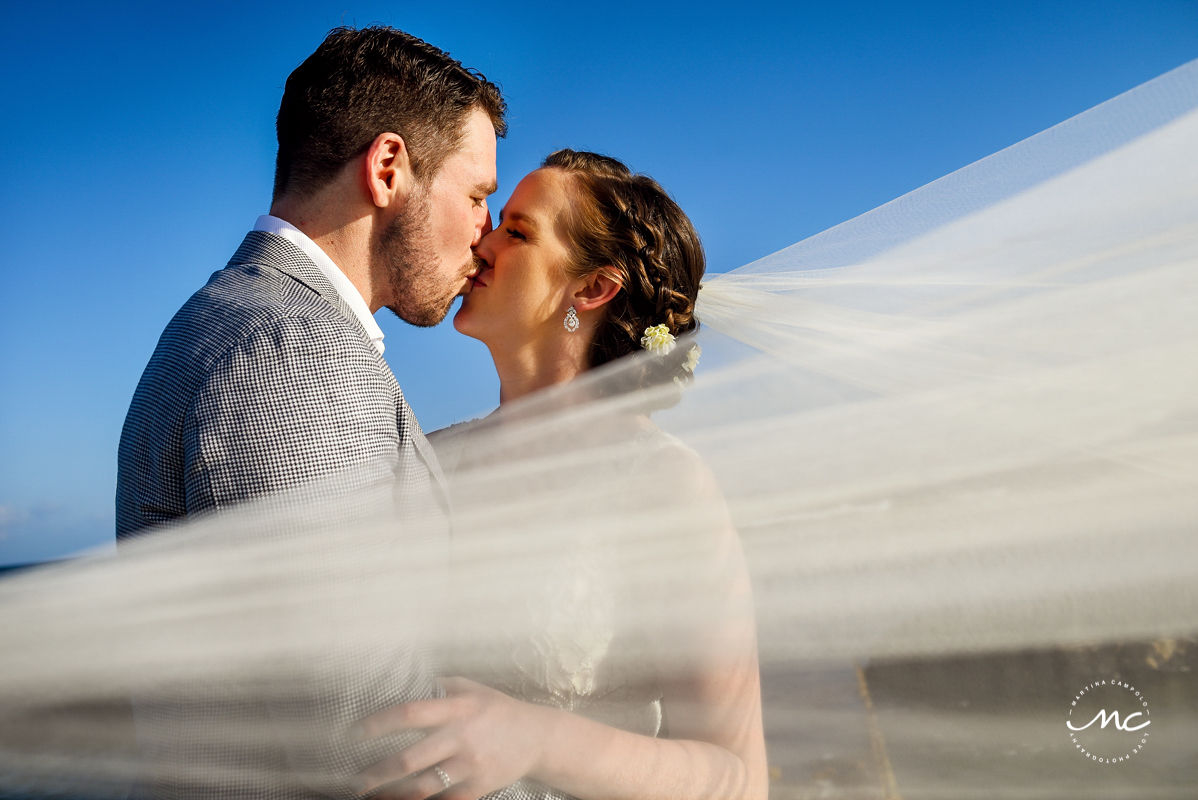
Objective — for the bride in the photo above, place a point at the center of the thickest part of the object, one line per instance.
(590, 263)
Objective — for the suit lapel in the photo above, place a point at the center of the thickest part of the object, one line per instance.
(266, 249)
(425, 450)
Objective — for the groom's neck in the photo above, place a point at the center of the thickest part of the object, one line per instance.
(343, 235)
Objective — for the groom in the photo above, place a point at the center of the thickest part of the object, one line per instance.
(271, 377)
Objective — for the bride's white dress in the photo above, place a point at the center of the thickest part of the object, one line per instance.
(571, 638)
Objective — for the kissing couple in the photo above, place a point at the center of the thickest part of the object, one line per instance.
(271, 377)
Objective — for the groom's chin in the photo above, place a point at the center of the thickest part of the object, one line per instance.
(423, 316)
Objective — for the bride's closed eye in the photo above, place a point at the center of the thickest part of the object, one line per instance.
(514, 234)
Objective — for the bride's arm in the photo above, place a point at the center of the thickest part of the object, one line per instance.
(483, 739)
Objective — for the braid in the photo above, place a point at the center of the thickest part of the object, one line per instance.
(629, 223)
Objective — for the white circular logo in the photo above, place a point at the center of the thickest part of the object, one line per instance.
(1108, 721)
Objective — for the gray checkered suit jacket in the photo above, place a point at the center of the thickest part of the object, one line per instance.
(264, 382)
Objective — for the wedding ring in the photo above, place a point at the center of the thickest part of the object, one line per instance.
(443, 775)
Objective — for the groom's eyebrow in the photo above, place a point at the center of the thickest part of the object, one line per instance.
(487, 188)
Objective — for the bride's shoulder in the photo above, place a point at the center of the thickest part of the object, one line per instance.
(674, 462)
(450, 442)
(709, 548)
(449, 431)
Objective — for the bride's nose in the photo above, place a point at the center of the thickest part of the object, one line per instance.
(485, 249)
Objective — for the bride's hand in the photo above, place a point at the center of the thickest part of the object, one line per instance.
(479, 740)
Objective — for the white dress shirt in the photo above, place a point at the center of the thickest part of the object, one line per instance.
(349, 293)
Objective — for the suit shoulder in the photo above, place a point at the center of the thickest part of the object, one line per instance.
(248, 304)
(297, 337)
(245, 295)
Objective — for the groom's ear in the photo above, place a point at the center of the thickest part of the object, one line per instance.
(387, 169)
(598, 289)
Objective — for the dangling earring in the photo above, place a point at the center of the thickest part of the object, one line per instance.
(571, 323)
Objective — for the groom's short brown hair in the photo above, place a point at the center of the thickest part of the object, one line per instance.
(363, 82)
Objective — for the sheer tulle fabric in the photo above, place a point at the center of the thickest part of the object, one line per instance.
(957, 438)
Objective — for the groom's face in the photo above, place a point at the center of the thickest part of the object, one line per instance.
(427, 248)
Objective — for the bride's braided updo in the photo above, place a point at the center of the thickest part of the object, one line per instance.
(627, 223)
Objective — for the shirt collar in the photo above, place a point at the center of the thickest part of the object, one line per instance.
(344, 286)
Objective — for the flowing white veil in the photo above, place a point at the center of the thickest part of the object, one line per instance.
(957, 436)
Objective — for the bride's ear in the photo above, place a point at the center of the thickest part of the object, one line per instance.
(598, 289)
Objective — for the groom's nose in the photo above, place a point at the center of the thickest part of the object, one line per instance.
(482, 230)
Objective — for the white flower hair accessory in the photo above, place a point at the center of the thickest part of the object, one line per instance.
(658, 340)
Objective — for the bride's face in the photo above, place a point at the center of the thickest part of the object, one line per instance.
(522, 292)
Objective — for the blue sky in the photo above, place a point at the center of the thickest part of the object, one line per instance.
(138, 147)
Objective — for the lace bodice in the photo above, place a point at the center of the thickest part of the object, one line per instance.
(572, 650)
